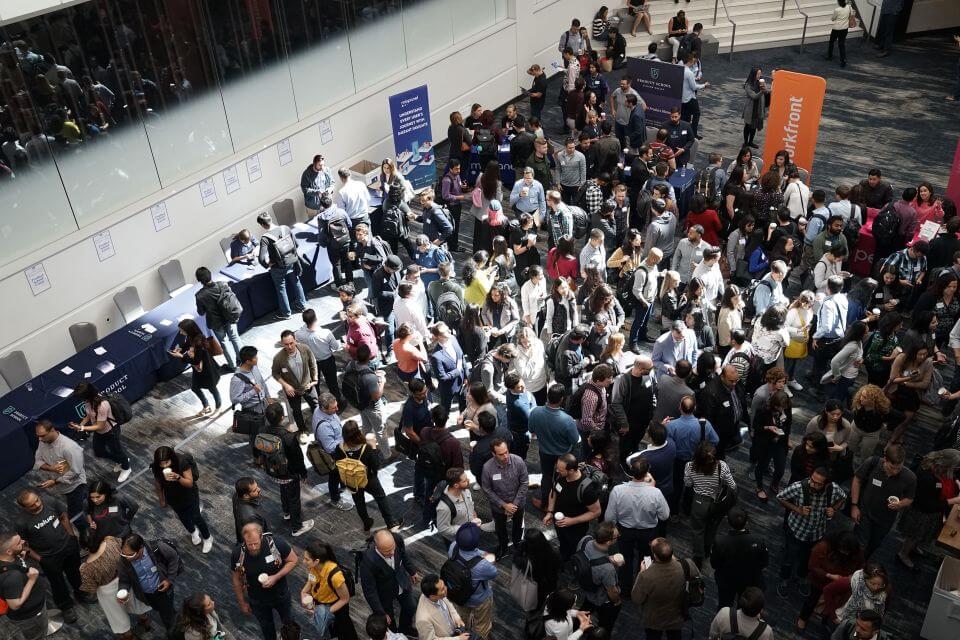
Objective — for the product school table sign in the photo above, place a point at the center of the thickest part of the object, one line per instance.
(412, 137)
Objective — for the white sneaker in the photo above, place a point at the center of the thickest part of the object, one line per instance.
(306, 526)
(53, 626)
(488, 526)
(787, 391)
(207, 545)
(343, 506)
(286, 516)
(195, 537)
(124, 475)
(796, 386)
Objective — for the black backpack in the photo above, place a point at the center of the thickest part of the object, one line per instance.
(581, 222)
(575, 403)
(851, 228)
(625, 290)
(706, 183)
(120, 408)
(433, 500)
(170, 543)
(230, 306)
(270, 448)
(750, 306)
(430, 459)
(450, 308)
(886, 227)
(392, 226)
(693, 589)
(582, 566)
(553, 349)
(485, 142)
(686, 46)
(350, 387)
(734, 633)
(283, 248)
(338, 233)
(457, 574)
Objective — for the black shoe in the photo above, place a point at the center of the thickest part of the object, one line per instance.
(225, 368)
(500, 552)
(69, 615)
(753, 145)
(843, 63)
(86, 598)
(280, 316)
(698, 137)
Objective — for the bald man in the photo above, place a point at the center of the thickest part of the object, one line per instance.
(387, 577)
(634, 399)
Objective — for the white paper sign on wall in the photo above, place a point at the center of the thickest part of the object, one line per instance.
(326, 132)
(253, 168)
(161, 219)
(103, 242)
(208, 192)
(286, 155)
(37, 277)
(231, 179)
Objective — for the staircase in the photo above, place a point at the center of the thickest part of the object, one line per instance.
(759, 25)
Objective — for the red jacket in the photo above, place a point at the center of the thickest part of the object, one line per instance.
(823, 562)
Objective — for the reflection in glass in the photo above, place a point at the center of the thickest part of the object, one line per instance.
(427, 28)
(471, 16)
(376, 40)
(319, 55)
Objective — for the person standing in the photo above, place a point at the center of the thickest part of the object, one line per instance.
(706, 477)
(436, 617)
(249, 390)
(107, 513)
(738, 559)
(477, 611)
(838, 33)
(633, 399)
(743, 620)
(882, 486)
(520, 403)
(328, 433)
(279, 254)
(387, 576)
(637, 507)
(199, 619)
(148, 571)
(247, 506)
(295, 368)
(690, 107)
(325, 594)
(572, 171)
(52, 541)
(755, 109)
(537, 91)
(659, 592)
(620, 110)
(323, 344)
(455, 505)
(504, 481)
(354, 198)
(722, 403)
(25, 591)
(100, 420)
(357, 454)
(576, 498)
(61, 461)
(604, 597)
(556, 435)
(370, 385)
(175, 477)
(221, 309)
(287, 468)
(887, 28)
(261, 553)
(316, 181)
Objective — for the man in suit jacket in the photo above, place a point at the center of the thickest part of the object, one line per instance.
(680, 343)
(671, 389)
(387, 577)
(295, 368)
(446, 363)
(437, 618)
(724, 406)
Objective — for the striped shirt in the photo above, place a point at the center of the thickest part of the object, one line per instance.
(708, 485)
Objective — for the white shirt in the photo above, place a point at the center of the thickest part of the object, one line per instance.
(409, 310)
(353, 198)
(712, 279)
(795, 198)
(532, 297)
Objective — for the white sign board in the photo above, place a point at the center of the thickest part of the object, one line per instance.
(161, 219)
(37, 277)
(208, 191)
(231, 179)
(253, 168)
(104, 244)
(286, 155)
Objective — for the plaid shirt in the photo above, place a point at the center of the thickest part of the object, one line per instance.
(909, 268)
(594, 197)
(810, 528)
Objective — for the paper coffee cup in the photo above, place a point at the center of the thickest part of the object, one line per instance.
(167, 473)
(942, 391)
(263, 578)
(307, 600)
(489, 557)
(893, 500)
(617, 559)
(558, 516)
(122, 594)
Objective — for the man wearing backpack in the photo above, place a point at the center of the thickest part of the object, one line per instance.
(469, 577)
(437, 221)
(369, 385)
(219, 305)
(589, 405)
(576, 499)
(284, 463)
(504, 481)
(261, 553)
(454, 505)
(743, 622)
(148, 571)
(278, 253)
(372, 252)
(452, 197)
(387, 577)
(571, 359)
(559, 218)
(739, 559)
(597, 575)
(810, 503)
(664, 591)
(335, 230)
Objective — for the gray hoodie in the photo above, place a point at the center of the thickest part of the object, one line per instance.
(661, 234)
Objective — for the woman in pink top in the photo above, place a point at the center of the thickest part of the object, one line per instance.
(360, 331)
(927, 205)
(410, 352)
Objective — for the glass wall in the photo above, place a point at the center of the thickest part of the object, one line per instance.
(106, 102)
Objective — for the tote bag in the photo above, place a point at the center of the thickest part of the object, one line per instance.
(523, 588)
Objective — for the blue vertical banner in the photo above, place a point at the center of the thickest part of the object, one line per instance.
(660, 84)
(412, 137)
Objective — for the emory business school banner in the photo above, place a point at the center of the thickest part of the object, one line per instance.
(794, 117)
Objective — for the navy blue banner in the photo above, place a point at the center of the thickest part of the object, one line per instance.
(660, 84)
(412, 137)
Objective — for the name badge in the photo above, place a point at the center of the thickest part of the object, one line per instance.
(646, 383)
(558, 487)
(269, 559)
(827, 243)
(113, 509)
(878, 295)
(285, 370)
(726, 404)
(153, 569)
(703, 384)
(699, 254)
(496, 476)
(940, 305)
(877, 482)
(56, 522)
(311, 577)
(939, 485)
(743, 242)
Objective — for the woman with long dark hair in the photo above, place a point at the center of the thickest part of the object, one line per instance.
(500, 314)
(927, 204)
(562, 260)
(859, 301)
(909, 379)
(737, 201)
(593, 280)
(698, 312)
(891, 295)
(357, 447)
(602, 300)
(768, 200)
(488, 188)
(629, 256)
(755, 108)
(837, 431)
(473, 337)
(703, 476)
(746, 161)
(562, 313)
(325, 594)
(503, 262)
(942, 299)
(782, 166)
(730, 317)
(199, 619)
(561, 620)
(459, 137)
(100, 421)
(175, 477)
(537, 554)
(881, 348)
(192, 350)
(771, 427)
(737, 256)
(808, 456)
(108, 513)
(477, 278)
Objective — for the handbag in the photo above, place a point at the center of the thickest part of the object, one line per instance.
(246, 423)
(213, 345)
(523, 588)
(797, 349)
(323, 463)
(724, 500)
(852, 20)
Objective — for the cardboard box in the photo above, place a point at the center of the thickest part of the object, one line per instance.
(366, 172)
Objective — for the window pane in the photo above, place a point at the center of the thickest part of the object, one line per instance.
(251, 59)
(427, 28)
(319, 61)
(376, 40)
(471, 16)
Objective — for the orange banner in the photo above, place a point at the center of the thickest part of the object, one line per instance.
(793, 120)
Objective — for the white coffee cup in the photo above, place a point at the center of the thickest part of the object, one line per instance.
(875, 312)
(307, 600)
(942, 391)
(263, 578)
(558, 516)
(168, 473)
(489, 557)
(122, 594)
(893, 500)
(617, 559)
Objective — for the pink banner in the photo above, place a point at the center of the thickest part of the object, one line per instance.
(953, 184)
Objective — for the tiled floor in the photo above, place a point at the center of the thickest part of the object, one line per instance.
(900, 124)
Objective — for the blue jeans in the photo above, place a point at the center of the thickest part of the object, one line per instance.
(282, 276)
(641, 316)
(886, 30)
(222, 334)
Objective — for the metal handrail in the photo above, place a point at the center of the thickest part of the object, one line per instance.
(733, 33)
(806, 18)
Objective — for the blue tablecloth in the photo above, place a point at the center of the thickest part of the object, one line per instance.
(683, 182)
(507, 172)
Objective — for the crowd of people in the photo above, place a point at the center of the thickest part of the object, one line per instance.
(569, 410)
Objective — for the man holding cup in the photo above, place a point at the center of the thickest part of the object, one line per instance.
(147, 571)
(882, 486)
